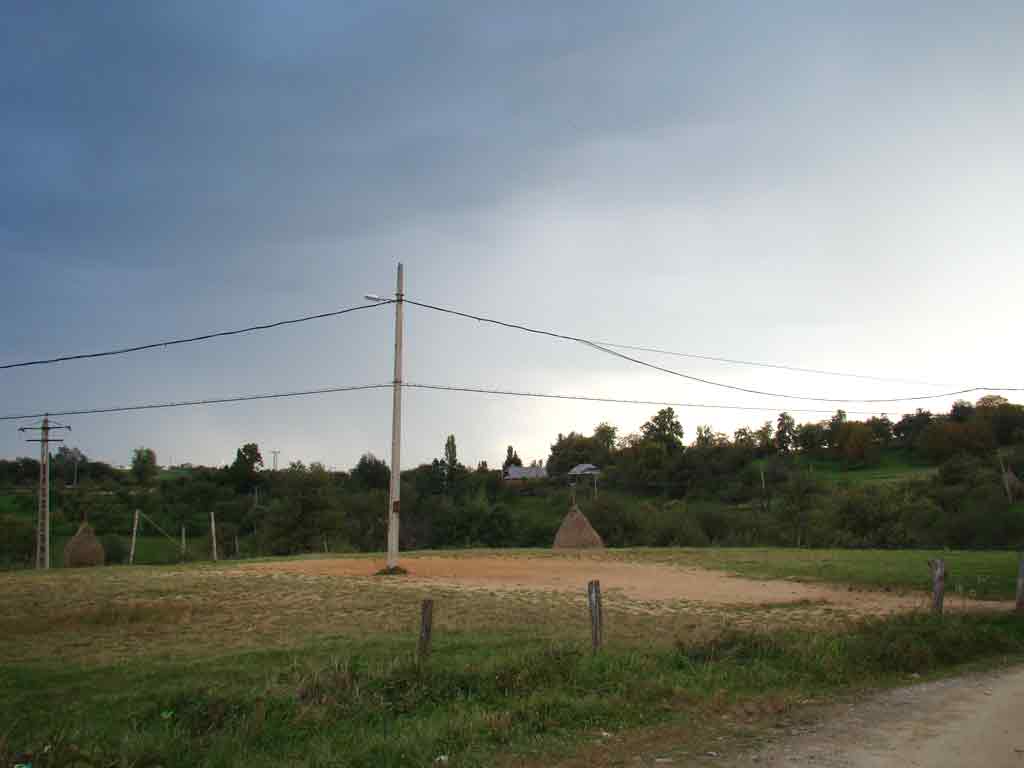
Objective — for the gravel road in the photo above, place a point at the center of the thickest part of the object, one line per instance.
(966, 721)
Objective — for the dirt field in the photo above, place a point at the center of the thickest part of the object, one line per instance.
(632, 581)
(111, 614)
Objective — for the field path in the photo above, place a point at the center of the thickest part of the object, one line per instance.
(633, 580)
(966, 721)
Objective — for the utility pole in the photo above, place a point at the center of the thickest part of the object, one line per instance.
(395, 490)
(275, 459)
(43, 519)
(396, 425)
(213, 535)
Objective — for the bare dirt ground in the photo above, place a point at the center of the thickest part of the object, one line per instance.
(966, 721)
(634, 581)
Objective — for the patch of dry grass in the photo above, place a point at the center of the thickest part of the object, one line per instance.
(111, 614)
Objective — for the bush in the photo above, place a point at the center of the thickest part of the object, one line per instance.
(116, 548)
(17, 541)
(676, 525)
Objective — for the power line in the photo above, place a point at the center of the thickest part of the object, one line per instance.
(439, 387)
(776, 366)
(205, 401)
(747, 390)
(190, 339)
(626, 401)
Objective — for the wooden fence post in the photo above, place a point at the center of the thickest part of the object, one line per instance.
(184, 546)
(135, 533)
(213, 535)
(938, 584)
(1020, 584)
(426, 630)
(596, 615)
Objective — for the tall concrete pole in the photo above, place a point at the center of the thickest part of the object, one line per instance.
(394, 505)
(43, 522)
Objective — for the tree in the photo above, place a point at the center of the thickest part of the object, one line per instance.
(664, 428)
(451, 457)
(909, 428)
(835, 426)
(800, 497)
(65, 462)
(371, 473)
(572, 449)
(604, 436)
(991, 401)
(450, 464)
(144, 466)
(705, 436)
(511, 459)
(244, 472)
(881, 428)
(744, 438)
(765, 439)
(785, 432)
(857, 445)
(961, 411)
(810, 438)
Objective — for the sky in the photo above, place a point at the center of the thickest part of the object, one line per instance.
(831, 186)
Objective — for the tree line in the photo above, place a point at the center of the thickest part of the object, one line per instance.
(783, 483)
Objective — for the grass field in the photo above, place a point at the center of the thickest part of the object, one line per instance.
(282, 663)
(971, 574)
(893, 466)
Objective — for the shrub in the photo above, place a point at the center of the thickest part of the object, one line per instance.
(17, 541)
(115, 547)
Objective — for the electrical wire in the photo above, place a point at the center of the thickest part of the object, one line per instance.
(625, 401)
(776, 366)
(190, 339)
(411, 385)
(698, 379)
(205, 401)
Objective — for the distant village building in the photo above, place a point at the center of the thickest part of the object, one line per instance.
(526, 473)
(580, 473)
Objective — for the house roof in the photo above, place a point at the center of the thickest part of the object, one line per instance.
(525, 473)
(584, 469)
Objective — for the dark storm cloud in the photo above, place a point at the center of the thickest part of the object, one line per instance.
(625, 170)
(131, 123)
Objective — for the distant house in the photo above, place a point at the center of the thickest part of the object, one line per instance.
(525, 473)
(580, 472)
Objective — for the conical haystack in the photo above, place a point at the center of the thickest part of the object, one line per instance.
(576, 532)
(84, 549)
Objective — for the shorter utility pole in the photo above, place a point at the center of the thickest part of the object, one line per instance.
(213, 535)
(135, 534)
(275, 459)
(43, 517)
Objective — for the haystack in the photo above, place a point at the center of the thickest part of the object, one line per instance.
(84, 549)
(576, 532)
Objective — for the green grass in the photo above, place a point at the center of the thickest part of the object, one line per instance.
(989, 575)
(477, 698)
(222, 665)
(11, 504)
(894, 466)
(149, 550)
